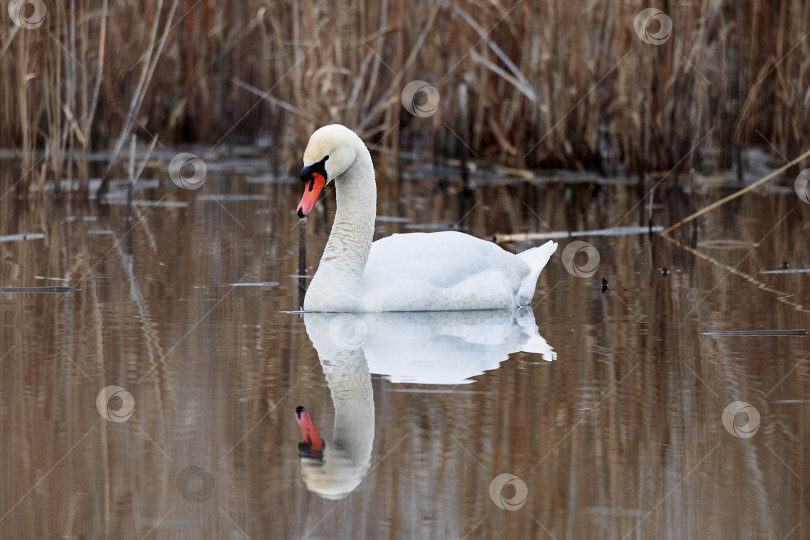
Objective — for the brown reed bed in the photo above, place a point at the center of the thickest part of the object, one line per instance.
(532, 83)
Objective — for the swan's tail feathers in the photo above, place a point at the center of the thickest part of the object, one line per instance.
(536, 258)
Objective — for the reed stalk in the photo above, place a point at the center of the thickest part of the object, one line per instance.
(547, 85)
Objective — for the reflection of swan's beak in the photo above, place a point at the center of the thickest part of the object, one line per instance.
(313, 444)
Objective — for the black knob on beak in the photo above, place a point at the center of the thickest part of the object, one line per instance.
(318, 167)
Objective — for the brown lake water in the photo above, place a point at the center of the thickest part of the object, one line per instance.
(620, 435)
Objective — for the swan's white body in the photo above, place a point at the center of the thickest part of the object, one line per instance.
(404, 272)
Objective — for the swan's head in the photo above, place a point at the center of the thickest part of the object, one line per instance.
(330, 152)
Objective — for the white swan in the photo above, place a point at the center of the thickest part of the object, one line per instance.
(404, 272)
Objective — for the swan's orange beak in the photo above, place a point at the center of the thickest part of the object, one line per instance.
(311, 191)
(313, 444)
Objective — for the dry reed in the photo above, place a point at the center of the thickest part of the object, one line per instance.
(527, 84)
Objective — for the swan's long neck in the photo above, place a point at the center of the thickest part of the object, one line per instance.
(344, 258)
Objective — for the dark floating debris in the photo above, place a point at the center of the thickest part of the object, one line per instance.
(797, 332)
(38, 290)
(604, 285)
(664, 271)
(785, 265)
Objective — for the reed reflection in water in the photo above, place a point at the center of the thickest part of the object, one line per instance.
(621, 435)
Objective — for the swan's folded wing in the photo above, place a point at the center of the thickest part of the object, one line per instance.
(445, 270)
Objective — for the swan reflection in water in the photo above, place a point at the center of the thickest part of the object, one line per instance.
(446, 348)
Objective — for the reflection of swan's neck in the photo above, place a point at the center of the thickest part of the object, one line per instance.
(350, 383)
(347, 456)
(344, 258)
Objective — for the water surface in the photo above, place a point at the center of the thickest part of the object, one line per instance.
(620, 435)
